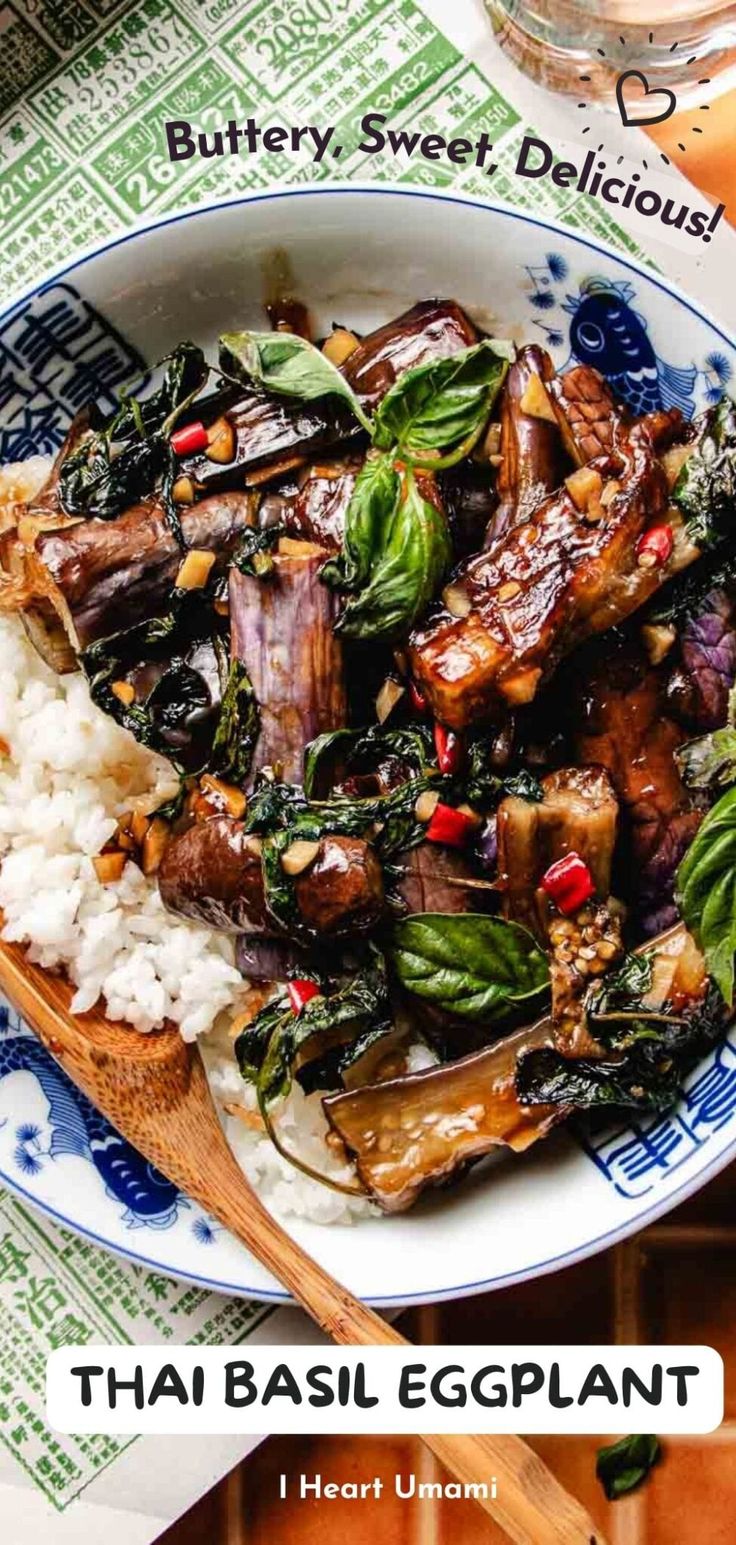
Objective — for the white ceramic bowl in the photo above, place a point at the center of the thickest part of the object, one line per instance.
(358, 255)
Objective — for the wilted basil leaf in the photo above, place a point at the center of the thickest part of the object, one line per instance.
(177, 666)
(649, 1059)
(442, 406)
(622, 990)
(319, 1044)
(410, 747)
(253, 552)
(706, 891)
(705, 490)
(404, 552)
(286, 364)
(471, 966)
(130, 455)
(625, 1464)
(238, 727)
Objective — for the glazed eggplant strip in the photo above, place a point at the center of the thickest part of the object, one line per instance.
(577, 814)
(586, 413)
(282, 631)
(410, 1133)
(110, 575)
(571, 571)
(532, 460)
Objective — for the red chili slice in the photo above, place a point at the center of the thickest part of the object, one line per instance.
(568, 883)
(654, 547)
(189, 440)
(449, 748)
(417, 699)
(300, 992)
(450, 827)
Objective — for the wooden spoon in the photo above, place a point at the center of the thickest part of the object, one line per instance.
(154, 1090)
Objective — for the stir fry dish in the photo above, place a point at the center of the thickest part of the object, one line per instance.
(442, 646)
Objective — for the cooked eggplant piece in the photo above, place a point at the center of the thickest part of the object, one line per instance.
(272, 435)
(269, 436)
(702, 676)
(436, 879)
(532, 459)
(110, 575)
(282, 630)
(433, 329)
(623, 723)
(552, 582)
(409, 1133)
(317, 513)
(263, 959)
(469, 495)
(213, 873)
(577, 814)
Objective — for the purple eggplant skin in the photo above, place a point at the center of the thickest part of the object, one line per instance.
(274, 434)
(262, 959)
(622, 724)
(282, 630)
(469, 496)
(112, 574)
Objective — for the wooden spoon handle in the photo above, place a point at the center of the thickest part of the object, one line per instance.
(154, 1090)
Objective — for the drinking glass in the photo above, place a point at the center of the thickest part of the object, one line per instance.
(580, 47)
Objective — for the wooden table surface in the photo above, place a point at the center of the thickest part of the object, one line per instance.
(674, 1282)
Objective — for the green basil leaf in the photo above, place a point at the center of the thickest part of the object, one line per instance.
(411, 554)
(472, 966)
(706, 891)
(625, 1464)
(442, 406)
(705, 490)
(710, 761)
(289, 365)
(238, 727)
(253, 1042)
(369, 520)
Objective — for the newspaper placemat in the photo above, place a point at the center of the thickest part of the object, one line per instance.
(59, 1290)
(85, 87)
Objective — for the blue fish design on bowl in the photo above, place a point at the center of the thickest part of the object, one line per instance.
(609, 334)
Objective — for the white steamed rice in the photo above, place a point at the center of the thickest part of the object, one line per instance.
(67, 775)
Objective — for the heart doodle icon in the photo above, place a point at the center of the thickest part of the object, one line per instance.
(652, 105)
